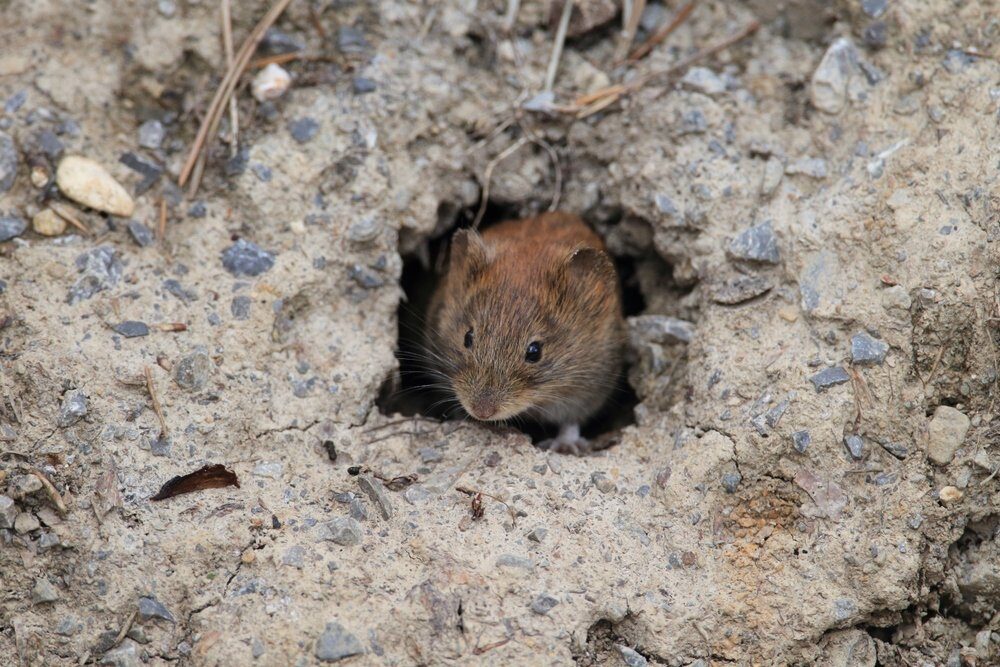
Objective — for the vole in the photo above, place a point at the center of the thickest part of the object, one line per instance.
(527, 322)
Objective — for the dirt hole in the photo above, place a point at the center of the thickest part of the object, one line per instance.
(413, 391)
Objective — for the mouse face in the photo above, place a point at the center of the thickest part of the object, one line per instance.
(526, 330)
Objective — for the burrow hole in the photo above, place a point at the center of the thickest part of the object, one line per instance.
(409, 392)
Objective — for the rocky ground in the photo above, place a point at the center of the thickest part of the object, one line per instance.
(807, 221)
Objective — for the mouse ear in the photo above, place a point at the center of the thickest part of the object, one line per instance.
(468, 251)
(590, 261)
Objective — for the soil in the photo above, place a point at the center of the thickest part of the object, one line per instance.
(819, 202)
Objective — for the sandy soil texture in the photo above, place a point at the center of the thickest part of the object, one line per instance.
(807, 221)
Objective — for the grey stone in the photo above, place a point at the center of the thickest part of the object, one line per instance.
(303, 130)
(867, 350)
(101, 270)
(829, 377)
(44, 592)
(692, 122)
(740, 289)
(774, 170)
(364, 230)
(603, 483)
(174, 287)
(955, 61)
(900, 451)
(50, 144)
(198, 210)
(543, 604)
(257, 648)
(844, 608)
(68, 627)
(801, 441)
(15, 102)
(374, 490)
(363, 85)
(262, 172)
(8, 162)
(365, 277)
(630, 657)
(515, 562)
(357, 509)
(855, 445)
(150, 609)
(166, 8)
(132, 329)
(538, 534)
(875, 35)
(874, 8)
(11, 226)
(126, 655)
(344, 531)
(73, 409)
(245, 258)
(151, 134)
(813, 167)
(659, 330)
(731, 481)
(945, 434)
(336, 643)
(277, 41)
(48, 540)
(828, 88)
(192, 371)
(141, 234)
(269, 469)
(757, 244)
(416, 493)
(294, 557)
(704, 81)
(240, 307)
(8, 512)
(25, 485)
(429, 455)
(150, 171)
(351, 40)
(25, 523)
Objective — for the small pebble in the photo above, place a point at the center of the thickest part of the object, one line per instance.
(365, 230)
(757, 244)
(731, 481)
(74, 408)
(303, 130)
(515, 562)
(659, 329)
(11, 226)
(603, 483)
(8, 162)
(351, 40)
(740, 289)
(813, 167)
(294, 557)
(87, 182)
(867, 350)
(270, 83)
(198, 210)
(828, 88)
(631, 658)
(8, 512)
(132, 329)
(774, 171)
(240, 307)
(874, 8)
(150, 171)
(538, 534)
(543, 604)
(374, 490)
(336, 643)
(150, 608)
(245, 258)
(151, 134)
(44, 592)
(801, 441)
(50, 144)
(363, 85)
(950, 494)
(946, 433)
(365, 277)
(141, 234)
(15, 102)
(100, 270)
(344, 531)
(48, 223)
(192, 372)
(829, 377)
(269, 469)
(25, 523)
(855, 445)
(703, 80)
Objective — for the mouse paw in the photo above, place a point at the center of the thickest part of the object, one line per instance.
(569, 441)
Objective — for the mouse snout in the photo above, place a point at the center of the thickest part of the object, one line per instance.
(484, 405)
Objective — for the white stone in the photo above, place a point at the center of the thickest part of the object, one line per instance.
(88, 183)
(703, 80)
(945, 434)
(48, 223)
(270, 83)
(829, 82)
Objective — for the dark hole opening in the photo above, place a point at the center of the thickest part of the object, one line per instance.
(416, 392)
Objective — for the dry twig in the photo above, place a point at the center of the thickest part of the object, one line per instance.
(631, 27)
(51, 490)
(505, 153)
(227, 46)
(664, 31)
(66, 213)
(557, 46)
(164, 431)
(222, 94)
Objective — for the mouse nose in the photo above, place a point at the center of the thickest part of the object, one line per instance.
(484, 406)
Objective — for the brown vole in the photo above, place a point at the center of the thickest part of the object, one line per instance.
(527, 321)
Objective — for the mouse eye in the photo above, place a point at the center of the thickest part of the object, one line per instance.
(534, 352)
(468, 339)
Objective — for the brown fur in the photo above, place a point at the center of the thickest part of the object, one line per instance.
(546, 279)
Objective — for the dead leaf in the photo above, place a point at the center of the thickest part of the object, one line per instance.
(210, 477)
(106, 494)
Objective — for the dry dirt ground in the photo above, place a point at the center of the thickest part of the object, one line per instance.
(810, 477)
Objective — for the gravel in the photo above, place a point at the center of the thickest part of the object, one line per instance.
(945, 434)
(245, 258)
(374, 490)
(731, 481)
(150, 171)
(828, 88)
(867, 350)
(855, 445)
(11, 226)
(829, 377)
(659, 329)
(25, 523)
(336, 643)
(141, 234)
(192, 372)
(543, 604)
(756, 244)
(132, 329)
(344, 531)
(630, 657)
(73, 409)
(152, 609)
(351, 40)
(363, 85)
(151, 134)
(240, 307)
(303, 130)
(740, 289)
(44, 592)
(8, 162)
(8, 512)
(101, 270)
(538, 534)
(603, 483)
(703, 80)
(801, 441)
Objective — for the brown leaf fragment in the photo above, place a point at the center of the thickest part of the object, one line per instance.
(106, 494)
(210, 477)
